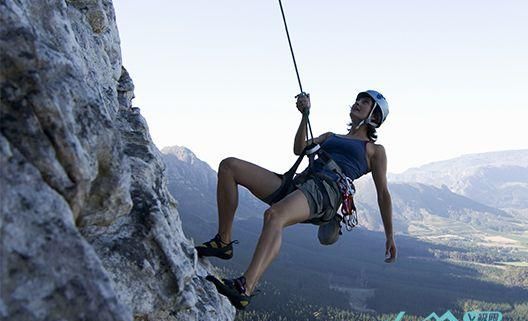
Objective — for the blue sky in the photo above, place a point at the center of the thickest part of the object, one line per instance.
(217, 76)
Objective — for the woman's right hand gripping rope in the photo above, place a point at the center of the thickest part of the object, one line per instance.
(303, 103)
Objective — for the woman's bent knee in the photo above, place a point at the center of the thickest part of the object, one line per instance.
(273, 217)
(228, 164)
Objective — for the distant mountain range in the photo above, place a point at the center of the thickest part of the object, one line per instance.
(497, 179)
(424, 209)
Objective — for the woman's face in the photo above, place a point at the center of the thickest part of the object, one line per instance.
(361, 109)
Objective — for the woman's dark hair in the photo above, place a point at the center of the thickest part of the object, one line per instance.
(371, 132)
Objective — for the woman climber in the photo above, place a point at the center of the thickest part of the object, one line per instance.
(355, 153)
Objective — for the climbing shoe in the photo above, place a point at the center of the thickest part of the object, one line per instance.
(216, 247)
(233, 289)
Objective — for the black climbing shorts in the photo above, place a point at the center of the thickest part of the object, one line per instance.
(306, 184)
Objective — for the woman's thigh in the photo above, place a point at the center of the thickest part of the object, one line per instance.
(258, 180)
(292, 209)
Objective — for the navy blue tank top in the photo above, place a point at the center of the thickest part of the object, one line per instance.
(348, 153)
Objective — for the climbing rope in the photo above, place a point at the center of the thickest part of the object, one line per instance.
(306, 112)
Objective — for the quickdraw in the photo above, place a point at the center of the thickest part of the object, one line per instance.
(348, 208)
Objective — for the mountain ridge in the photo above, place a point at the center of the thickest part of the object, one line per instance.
(182, 153)
(498, 179)
(512, 158)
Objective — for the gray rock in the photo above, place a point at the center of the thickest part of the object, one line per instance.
(88, 230)
(48, 270)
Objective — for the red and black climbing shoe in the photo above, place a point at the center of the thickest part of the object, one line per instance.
(233, 289)
(216, 247)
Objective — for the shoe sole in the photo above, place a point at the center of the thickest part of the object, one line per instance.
(237, 300)
(208, 252)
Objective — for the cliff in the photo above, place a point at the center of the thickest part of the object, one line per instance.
(88, 229)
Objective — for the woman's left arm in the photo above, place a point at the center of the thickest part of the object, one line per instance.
(379, 175)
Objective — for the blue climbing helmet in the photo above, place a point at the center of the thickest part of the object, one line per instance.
(380, 103)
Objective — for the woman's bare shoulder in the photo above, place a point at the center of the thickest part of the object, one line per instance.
(379, 151)
(375, 150)
(321, 138)
(379, 148)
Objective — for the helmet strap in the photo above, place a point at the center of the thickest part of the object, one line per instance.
(356, 127)
(368, 119)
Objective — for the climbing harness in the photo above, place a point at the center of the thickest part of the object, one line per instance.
(348, 210)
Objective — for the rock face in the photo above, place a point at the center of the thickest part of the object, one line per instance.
(88, 229)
